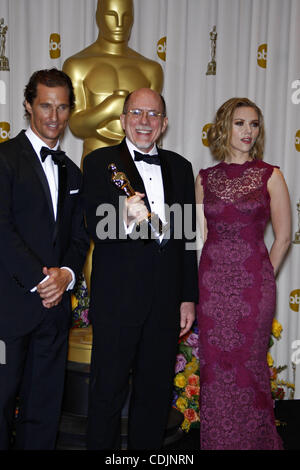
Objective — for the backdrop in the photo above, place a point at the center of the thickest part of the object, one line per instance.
(256, 54)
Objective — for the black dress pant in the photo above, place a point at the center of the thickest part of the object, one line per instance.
(34, 371)
(149, 352)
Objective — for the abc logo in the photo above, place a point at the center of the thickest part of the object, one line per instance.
(262, 56)
(295, 300)
(297, 140)
(162, 48)
(296, 94)
(2, 92)
(54, 45)
(4, 131)
(204, 134)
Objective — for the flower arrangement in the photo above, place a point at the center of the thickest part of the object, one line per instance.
(278, 387)
(80, 304)
(186, 381)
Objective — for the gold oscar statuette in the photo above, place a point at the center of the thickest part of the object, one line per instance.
(104, 73)
(297, 234)
(212, 65)
(120, 180)
(4, 64)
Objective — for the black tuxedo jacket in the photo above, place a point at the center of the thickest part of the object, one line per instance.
(133, 278)
(30, 236)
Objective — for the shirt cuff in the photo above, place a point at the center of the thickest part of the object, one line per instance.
(72, 283)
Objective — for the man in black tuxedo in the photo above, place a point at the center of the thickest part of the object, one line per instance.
(43, 248)
(142, 290)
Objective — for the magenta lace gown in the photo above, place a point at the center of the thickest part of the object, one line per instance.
(235, 311)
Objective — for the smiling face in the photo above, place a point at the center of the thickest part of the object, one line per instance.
(143, 131)
(244, 131)
(49, 113)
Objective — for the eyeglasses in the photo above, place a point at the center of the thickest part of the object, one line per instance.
(137, 113)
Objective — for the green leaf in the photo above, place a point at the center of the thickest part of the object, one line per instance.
(186, 351)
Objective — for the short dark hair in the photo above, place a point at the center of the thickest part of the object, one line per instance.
(51, 78)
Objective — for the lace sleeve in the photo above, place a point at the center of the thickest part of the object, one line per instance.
(203, 176)
(268, 172)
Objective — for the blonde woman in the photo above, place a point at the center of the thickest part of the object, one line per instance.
(237, 280)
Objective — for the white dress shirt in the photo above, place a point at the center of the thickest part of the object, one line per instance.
(51, 172)
(49, 167)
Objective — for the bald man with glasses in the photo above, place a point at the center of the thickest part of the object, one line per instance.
(143, 285)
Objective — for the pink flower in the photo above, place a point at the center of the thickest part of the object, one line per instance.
(192, 390)
(193, 379)
(84, 316)
(180, 363)
(195, 352)
(191, 415)
(192, 340)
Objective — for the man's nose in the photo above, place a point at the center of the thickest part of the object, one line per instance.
(145, 116)
(54, 114)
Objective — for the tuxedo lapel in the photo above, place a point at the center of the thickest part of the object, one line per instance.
(33, 160)
(167, 179)
(168, 183)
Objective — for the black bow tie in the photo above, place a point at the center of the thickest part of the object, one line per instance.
(151, 159)
(58, 156)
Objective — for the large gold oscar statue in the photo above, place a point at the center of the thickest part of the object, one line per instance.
(103, 74)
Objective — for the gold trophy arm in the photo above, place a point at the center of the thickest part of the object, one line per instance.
(87, 121)
(156, 77)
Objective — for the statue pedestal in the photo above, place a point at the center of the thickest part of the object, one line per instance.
(4, 64)
(80, 345)
(211, 68)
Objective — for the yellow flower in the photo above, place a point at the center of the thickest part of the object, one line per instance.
(181, 404)
(74, 301)
(273, 385)
(290, 385)
(180, 380)
(270, 360)
(191, 367)
(186, 425)
(276, 328)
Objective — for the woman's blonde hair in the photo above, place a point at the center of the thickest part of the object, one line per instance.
(219, 133)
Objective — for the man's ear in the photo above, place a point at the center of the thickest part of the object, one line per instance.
(28, 107)
(122, 120)
(165, 124)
